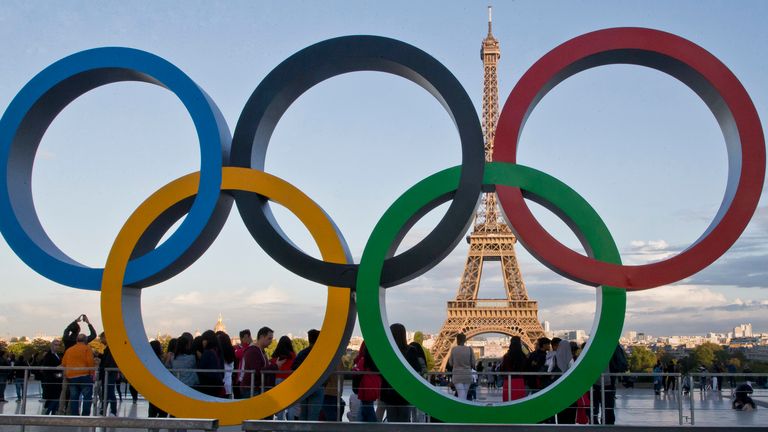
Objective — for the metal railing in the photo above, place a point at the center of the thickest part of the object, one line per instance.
(689, 394)
(179, 424)
(301, 426)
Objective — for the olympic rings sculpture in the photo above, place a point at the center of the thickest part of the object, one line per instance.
(231, 170)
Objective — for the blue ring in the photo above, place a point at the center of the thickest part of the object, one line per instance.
(36, 106)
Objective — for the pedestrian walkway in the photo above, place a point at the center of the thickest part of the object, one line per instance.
(634, 406)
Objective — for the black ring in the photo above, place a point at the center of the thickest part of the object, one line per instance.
(315, 64)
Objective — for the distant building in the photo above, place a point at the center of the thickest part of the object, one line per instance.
(743, 330)
(220, 327)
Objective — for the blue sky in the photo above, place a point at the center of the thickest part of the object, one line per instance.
(640, 146)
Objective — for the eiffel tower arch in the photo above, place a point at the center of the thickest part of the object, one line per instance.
(491, 240)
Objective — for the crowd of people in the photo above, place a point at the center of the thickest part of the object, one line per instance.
(212, 364)
(538, 369)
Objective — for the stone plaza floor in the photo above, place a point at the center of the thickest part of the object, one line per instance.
(634, 406)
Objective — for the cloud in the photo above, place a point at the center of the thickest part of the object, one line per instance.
(270, 295)
(192, 298)
(643, 251)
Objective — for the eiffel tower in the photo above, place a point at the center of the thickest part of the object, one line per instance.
(491, 240)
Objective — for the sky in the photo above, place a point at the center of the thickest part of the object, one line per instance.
(637, 144)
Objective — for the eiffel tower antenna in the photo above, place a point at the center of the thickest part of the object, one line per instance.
(491, 240)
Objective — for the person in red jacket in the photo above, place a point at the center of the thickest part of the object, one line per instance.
(254, 361)
(284, 351)
(245, 341)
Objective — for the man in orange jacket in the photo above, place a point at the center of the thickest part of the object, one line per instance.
(78, 367)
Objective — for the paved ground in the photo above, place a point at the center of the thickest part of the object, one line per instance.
(638, 406)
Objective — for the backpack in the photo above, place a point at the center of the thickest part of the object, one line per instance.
(618, 362)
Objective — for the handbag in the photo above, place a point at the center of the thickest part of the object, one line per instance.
(370, 387)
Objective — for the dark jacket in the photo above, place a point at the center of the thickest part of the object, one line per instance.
(51, 379)
(108, 362)
(70, 334)
(211, 383)
(536, 362)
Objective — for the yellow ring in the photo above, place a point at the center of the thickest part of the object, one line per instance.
(121, 307)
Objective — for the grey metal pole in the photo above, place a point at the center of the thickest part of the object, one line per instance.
(261, 373)
(252, 383)
(591, 405)
(24, 392)
(104, 400)
(690, 393)
(339, 389)
(602, 397)
(679, 381)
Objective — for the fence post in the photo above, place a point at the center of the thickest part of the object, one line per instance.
(253, 375)
(690, 393)
(602, 398)
(339, 389)
(24, 392)
(591, 405)
(679, 381)
(261, 374)
(104, 399)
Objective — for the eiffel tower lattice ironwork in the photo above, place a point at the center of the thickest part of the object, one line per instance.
(491, 240)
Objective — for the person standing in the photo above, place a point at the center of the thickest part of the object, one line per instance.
(51, 381)
(461, 361)
(78, 367)
(561, 362)
(211, 379)
(3, 374)
(245, 340)
(184, 361)
(228, 358)
(513, 387)
(255, 361)
(398, 410)
(537, 362)
(284, 351)
(657, 379)
(108, 372)
(313, 403)
(71, 333)
(367, 385)
(607, 386)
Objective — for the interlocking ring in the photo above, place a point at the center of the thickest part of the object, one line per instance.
(707, 77)
(121, 307)
(609, 318)
(327, 59)
(33, 110)
(206, 197)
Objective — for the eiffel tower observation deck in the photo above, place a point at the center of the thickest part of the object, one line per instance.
(491, 239)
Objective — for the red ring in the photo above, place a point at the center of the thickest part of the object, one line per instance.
(706, 76)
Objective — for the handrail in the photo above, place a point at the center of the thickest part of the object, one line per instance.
(307, 426)
(110, 422)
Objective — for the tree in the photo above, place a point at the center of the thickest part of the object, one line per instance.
(704, 354)
(641, 359)
(40, 346)
(17, 349)
(164, 341)
(299, 344)
(664, 356)
(271, 348)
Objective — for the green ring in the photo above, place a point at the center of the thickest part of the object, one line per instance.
(611, 301)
